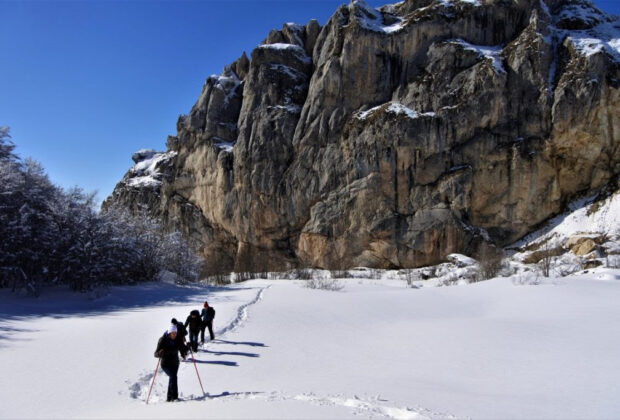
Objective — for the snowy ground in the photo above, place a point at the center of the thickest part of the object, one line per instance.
(375, 349)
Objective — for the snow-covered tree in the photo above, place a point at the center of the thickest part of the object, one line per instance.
(51, 236)
(6, 146)
(177, 257)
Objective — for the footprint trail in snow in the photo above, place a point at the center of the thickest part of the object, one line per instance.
(362, 406)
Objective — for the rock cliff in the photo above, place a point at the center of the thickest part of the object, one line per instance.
(392, 137)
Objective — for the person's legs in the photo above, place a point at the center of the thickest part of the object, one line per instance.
(172, 385)
(210, 325)
(173, 391)
(193, 340)
(202, 332)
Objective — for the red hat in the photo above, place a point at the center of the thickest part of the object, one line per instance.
(206, 304)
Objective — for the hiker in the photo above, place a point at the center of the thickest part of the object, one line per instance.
(182, 331)
(207, 314)
(194, 322)
(167, 348)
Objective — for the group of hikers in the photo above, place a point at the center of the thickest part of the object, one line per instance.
(173, 343)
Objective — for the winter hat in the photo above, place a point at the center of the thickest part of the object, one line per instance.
(172, 329)
(206, 305)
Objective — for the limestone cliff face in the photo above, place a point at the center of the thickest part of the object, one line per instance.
(391, 137)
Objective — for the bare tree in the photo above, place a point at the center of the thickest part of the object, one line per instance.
(490, 259)
(547, 256)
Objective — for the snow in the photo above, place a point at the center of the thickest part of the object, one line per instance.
(376, 349)
(299, 52)
(223, 144)
(583, 12)
(391, 8)
(296, 30)
(587, 226)
(396, 108)
(281, 46)
(143, 154)
(393, 108)
(145, 173)
(295, 26)
(492, 53)
(227, 83)
(452, 2)
(604, 36)
(588, 46)
(372, 19)
(583, 216)
(461, 260)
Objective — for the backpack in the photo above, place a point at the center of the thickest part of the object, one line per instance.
(181, 330)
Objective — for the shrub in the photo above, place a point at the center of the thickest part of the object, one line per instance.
(490, 259)
(322, 283)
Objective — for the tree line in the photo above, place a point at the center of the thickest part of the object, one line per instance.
(52, 236)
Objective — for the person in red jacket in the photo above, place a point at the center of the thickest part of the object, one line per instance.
(207, 314)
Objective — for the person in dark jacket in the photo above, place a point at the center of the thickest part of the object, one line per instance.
(168, 347)
(207, 314)
(195, 323)
(181, 330)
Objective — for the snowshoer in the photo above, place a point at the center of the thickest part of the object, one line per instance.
(207, 314)
(195, 323)
(182, 331)
(168, 347)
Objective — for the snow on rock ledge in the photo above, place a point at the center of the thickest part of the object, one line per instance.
(146, 173)
(143, 154)
(587, 235)
(589, 30)
(451, 2)
(373, 20)
(489, 52)
(393, 108)
(296, 49)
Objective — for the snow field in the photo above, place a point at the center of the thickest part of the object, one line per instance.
(80, 363)
(376, 349)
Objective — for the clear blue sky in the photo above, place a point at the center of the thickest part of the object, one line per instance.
(84, 84)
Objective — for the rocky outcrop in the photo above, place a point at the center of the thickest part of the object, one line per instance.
(393, 137)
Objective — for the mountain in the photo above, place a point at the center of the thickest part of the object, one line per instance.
(392, 137)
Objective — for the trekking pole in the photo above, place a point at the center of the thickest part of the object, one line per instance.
(153, 381)
(194, 360)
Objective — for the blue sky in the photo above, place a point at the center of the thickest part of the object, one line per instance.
(84, 84)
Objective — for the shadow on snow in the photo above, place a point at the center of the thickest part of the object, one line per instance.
(214, 362)
(61, 303)
(240, 343)
(226, 394)
(230, 353)
(12, 333)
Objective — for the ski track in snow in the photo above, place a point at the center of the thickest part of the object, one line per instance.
(362, 406)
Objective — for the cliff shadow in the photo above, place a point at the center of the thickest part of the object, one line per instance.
(60, 302)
